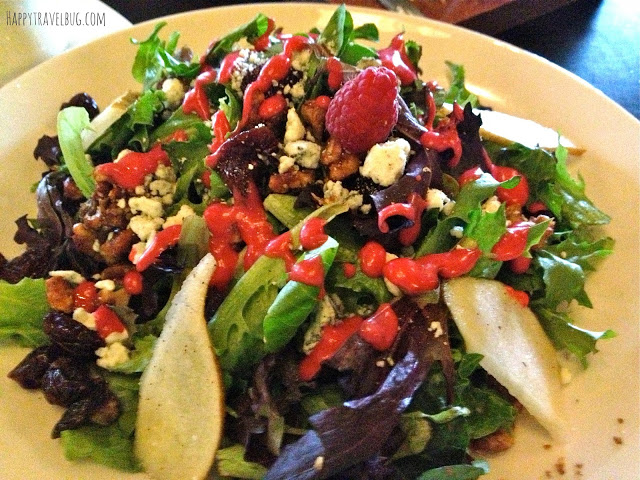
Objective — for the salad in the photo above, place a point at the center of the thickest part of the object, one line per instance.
(331, 266)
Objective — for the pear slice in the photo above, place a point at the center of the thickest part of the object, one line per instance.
(181, 408)
(516, 350)
(506, 129)
(108, 117)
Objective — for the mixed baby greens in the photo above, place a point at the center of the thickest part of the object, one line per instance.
(413, 410)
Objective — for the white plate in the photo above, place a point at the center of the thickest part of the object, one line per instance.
(507, 79)
(50, 29)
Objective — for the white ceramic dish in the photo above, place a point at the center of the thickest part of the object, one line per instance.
(50, 29)
(602, 402)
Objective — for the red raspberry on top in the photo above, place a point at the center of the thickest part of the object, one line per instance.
(364, 110)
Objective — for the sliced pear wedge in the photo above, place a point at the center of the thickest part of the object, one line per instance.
(506, 129)
(181, 408)
(108, 117)
(516, 350)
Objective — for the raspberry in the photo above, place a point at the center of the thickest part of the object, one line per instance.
(363, 112)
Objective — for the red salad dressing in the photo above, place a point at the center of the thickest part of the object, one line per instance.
(246, 220)
(520, 265)
(333, 337)
(107, 322)
(276, 69)
(130, 170)
(262, 42)
(196, 100)
(336, 75)
(513, 243)
(85, 295)
(178, 136)
(221, 128)
(312, 233)
(411, 211)
(349, 270)
(322, 101)
(226, 67)
(421, 275)
(517, 195)
(309, 271)
(395, 58)
(161, 241)
(519, 295)
(280, 247)
(133, 282)
(445, 135)
(272, 106)
(381, 328)
(372, 259)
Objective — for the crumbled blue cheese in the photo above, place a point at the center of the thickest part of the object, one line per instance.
(437, 199)
(385, 162)
(457, 232)
(305, 153)
(491, 205)
(145, 227)
(300, 59)
(162, 187)
(174, 92)
(123, 153)
(87, 319)
(436, 328)
(325, 315)
(294, 129)
(334, 192)
(151, 207)
(70, 276)
(184, 212)
(115, 337)
(285, 163)
(391, 287)
(112, 355)
(108, 285)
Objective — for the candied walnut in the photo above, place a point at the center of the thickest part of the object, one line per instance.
(101, 212)
(116, 248)
(498, 441)
(59, 294)
(29, 372)
(116, 272)
(343, 168)
(291, 180)
(71, 336)
(84, 240)
(118, 297)
(331, 152)
(341, 164)
(313, 115)
(66, 381)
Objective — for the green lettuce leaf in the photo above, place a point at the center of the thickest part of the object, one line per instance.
(71, 122)
(456, 472)
(567, 199)
(155, 60)
(111, 445)
(294, 302)
(131, 130)
(457, 90)
(566, 335)
(250, 30)
(230, 462)
(22, 308)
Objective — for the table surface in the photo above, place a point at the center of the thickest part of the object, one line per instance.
(598, 40)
